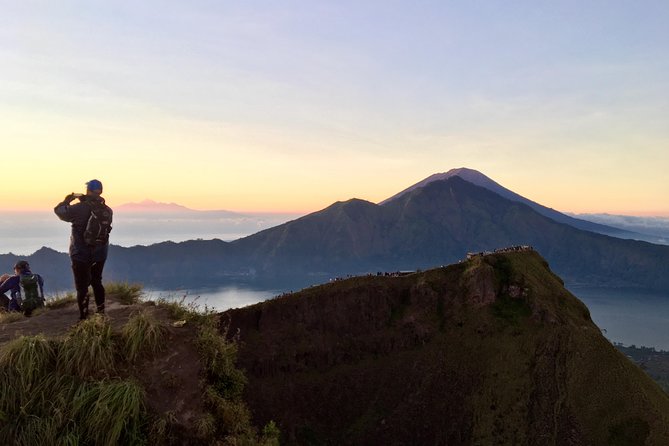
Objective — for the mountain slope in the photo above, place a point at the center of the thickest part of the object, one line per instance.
(438, 224)
(488, 351)
(477, 178)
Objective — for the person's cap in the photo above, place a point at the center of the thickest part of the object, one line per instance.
(94, 185)
(21, 265)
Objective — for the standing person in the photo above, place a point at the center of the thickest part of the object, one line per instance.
(91, 223)
(26, 289)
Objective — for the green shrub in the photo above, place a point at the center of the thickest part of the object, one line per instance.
(219, 357)
(232, 416)
(270, 435)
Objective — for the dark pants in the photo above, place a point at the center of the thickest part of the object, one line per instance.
(86, 274)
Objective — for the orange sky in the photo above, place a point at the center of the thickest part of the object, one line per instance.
(286, 108)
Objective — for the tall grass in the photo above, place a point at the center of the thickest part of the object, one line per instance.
(109, 412)
(67, 391)
(182, 310)
(88, 349)
(28, 358)
(43, 404)
(126, 293)
(141, 333)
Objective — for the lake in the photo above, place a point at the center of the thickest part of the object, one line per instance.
(629, 316)
(217, 298)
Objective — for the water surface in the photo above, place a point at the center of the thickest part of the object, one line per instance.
(629, 316)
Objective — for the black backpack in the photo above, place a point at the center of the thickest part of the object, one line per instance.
(30, 292)
(99, 225)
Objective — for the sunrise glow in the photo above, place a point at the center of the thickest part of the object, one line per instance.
(292, 107)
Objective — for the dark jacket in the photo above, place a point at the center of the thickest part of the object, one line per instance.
(13, 286)
(78, 214)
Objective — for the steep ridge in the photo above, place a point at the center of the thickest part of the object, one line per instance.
(493, 350)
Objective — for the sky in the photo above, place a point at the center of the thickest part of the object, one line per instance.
(289, 106)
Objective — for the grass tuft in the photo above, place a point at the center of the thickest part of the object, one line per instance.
(270, 434)
(109, 412)
(141, 333)
(7, 317)
(60, 301)
(88, 349)
(160, 428)
(127, 294)
(29, 358)
(206, 426)
(181, 310)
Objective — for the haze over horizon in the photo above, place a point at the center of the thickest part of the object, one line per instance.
(290, 107)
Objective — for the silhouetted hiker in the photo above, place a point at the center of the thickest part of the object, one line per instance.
(91, 222)
(26, 289)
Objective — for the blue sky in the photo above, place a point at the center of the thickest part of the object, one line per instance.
(288, 106)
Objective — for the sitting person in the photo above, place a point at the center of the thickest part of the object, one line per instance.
(4, 300)
(26, 289)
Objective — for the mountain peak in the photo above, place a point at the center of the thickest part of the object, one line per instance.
(470, 175)
(478, 179)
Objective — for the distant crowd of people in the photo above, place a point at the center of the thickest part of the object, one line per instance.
(516, 248)
(379, 273)
(91, 221)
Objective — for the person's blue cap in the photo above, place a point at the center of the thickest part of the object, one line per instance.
(94, 185)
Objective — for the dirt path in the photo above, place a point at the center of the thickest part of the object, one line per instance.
(56, 322)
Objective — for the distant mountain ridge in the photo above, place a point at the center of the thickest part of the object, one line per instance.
(148, 205)
(151, 206)
(438, 224)
(432, 225)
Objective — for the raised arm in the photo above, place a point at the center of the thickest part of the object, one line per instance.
(63, 209)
